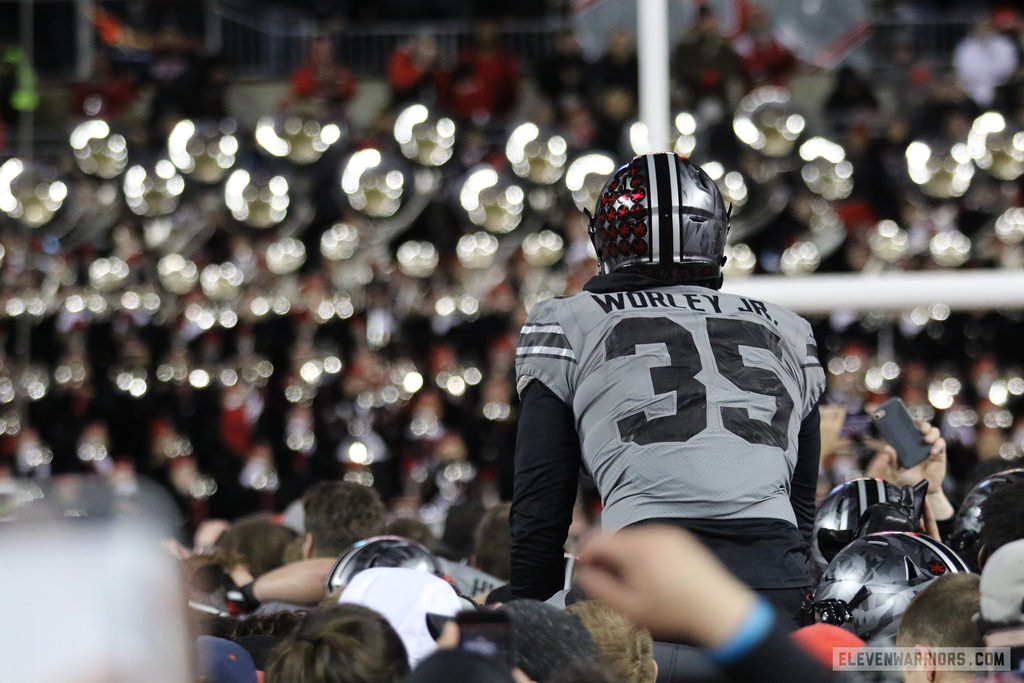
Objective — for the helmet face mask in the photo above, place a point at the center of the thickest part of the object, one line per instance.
(661, 215)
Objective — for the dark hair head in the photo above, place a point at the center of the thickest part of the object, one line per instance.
(339, 513)
(546, 639)
(413, 529)
(278, 624)
(457, 540)
(458, 665)
(343, 644)
(259, 540)
(1002, 517)
(492, 541)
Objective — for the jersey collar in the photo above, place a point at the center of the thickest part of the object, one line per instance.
(628, 282)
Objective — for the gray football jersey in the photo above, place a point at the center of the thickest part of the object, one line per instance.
(687, 401)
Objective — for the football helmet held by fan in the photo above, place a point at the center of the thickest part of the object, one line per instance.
(966, 536)
(661, 215)
(869, 583)
(380, 551)
(835, 523)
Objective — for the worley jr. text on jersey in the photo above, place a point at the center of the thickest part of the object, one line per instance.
(702, 303)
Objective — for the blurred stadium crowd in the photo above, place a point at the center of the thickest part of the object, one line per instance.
(240, 312)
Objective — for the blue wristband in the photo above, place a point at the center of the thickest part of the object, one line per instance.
(751, 632)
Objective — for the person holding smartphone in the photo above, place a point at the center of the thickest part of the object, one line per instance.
(886, 465)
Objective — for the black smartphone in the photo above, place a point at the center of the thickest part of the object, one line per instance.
(897, 427)
(486, 633)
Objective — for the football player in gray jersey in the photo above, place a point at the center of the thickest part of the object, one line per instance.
(685, 405)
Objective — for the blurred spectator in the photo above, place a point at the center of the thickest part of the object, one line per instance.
(1002, 515)
(819, 639)
(321, 84)
(941, 616)
(17, 87)
(485, 81)
(871, 185)
(260, 541)
(413, 529)
(175, 73)
(546, 639)
(562, 76)
(617, 107)
(339, 513)
(278, 624)
(625, 648)
(107, 93)
(637, 572)
(491, 542)
(414, 72)
(460, 523)
(705, 65)
(404, 597)
(343, 643)
(207, 534)
(905, 76)
(1001, 603)
(852, 97)
(945, 108)
(213, 80)
(983, 61)
(222, 661)
(459, 665)
(617, 67)
(579, 125)
(7, 114)
(765, 60)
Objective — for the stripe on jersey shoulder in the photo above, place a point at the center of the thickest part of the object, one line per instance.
(546, 351)
(811, 357)
(544, 339)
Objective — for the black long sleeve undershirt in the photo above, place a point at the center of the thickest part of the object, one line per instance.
(804, 483)
(547, 461)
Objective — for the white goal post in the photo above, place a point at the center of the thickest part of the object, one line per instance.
(961, 290)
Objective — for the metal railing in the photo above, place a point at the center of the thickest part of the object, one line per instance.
(269, 42)
(930, 39)
(273, 45)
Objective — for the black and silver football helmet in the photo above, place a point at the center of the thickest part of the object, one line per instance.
(661, 214)
(868, 585)
(966, 536)
(380, 551)
(835, 523)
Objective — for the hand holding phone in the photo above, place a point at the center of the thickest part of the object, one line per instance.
(898, 428)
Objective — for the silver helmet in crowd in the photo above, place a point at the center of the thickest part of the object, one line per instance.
(380, 551)
(966, 536)
(836, 520)
(869, 583)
